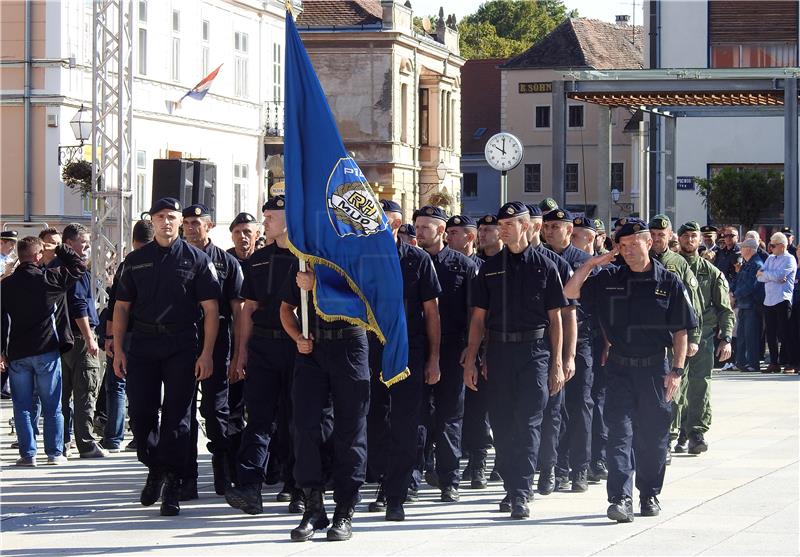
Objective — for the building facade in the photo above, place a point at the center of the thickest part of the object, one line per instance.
(395, 92)
(720, 35)
(176, 43)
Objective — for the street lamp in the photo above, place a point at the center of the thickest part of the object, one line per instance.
(81, 125)
(625, 207)
(441, 171)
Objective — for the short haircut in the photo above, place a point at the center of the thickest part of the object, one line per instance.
(143, 231)
(72, 231)
(48, 231)
(777, 238)
(27, 245)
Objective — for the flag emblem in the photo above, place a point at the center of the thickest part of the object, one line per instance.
(352, 207)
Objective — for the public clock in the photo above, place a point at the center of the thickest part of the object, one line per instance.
(503, 151)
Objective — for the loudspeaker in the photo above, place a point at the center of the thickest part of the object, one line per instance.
(173, 178)
(204, 188)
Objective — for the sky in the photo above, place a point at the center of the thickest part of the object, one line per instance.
(595, 9)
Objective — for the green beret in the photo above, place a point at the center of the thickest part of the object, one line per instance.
(660, 222)
(600, 226)
(690, 226)
(549, 204)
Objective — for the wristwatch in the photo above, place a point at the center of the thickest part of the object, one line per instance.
(677, 371)
(727, 339)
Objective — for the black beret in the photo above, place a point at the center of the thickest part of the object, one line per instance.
(659, 222)
(708, 229)
(277, 203)
(534, 210)
(408, 229)
(549, 204)
(630, 226)
(512, 209)
(9, 235)
(432, 212)
(787, 230)
(690, 226)
(558, 215)
(487, 220)
(583, 222)
(242, 218)
(461, 220)
(390, 206)
(620, 222)
(165, 203)
(198, 210)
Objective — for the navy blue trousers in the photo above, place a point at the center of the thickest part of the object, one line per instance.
(599, 429)
(575, 437)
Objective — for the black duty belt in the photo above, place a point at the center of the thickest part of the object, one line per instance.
(522, 336)
(161, 328)
(273, 334)
(336, 334)
(643, 361)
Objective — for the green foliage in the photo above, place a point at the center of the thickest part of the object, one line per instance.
(77, 175)
(480, 40)
(741, 195)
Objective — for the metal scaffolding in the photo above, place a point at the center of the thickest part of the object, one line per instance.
(112, 80)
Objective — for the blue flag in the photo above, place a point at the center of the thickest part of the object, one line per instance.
(335, 221)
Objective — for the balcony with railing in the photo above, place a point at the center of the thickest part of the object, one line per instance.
(274, 119)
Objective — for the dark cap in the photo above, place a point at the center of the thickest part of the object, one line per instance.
(165, 203)
(432, 212)
(277, 203)
(408, 229)
(461, 220)
(708, 229)
(390, 206)
(9, 235)
(630, 226)
(620, 222)
(690, 226)
(787, 230)
(242, 218)
(198, 210)
(558, 215)
(599, 226)
(512, 210)
(534, 210)
(583, 222)
(659, 222)
(549, 204)
(487, 220)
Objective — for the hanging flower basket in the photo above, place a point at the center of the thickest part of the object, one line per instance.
(442, 199)
(77, 176)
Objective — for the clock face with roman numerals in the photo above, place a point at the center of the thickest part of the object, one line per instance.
(503, 151)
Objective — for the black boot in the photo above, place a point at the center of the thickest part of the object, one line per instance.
(394, 510)
(379, 504)
(246, 497)
(505, 504)
(170, 500)
(697, 443)
(297, 505)
(519, 508)
(621, 509)
(189, 489)
(547, 481)
(649, 505)
(479, 480)
(152, 488)
(314, 518)
(597, 471)
(580, 483)
(342, 526)
(285, 494)
(219, 464)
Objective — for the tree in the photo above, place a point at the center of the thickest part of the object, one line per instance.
(741, 195)
(480, 40)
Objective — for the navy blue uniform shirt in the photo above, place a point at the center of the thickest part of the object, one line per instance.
(564, 269)
(455, 272)
(166, 285)
(230, 277)
(290, 293)
(517, 290)
(80, 298)
(576, 258)
(638, 311)
(477, 259)
(264, 275)
(420, 284)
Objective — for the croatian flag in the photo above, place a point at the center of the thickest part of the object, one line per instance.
(197, 92)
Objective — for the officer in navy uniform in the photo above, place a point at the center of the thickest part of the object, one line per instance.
(517, 297)
(455, 272)
(162, 288)
(266, 362)
(644, 309)
(551, 422)
(332, 365)
(214, 408)
(396, 435)
(461, 234)
(408, 234)
(489, 243)
(574, 448)
(244, 231)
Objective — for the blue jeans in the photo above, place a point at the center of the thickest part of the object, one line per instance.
(115, 408)
(748, 336)
(42, 373)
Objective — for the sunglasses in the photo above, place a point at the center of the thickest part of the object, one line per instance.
(775, 245)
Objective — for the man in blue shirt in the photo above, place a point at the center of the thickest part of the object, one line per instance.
(748, 295)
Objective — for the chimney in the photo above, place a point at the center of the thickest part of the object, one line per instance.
(623, 19)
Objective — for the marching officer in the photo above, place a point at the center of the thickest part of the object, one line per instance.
(408, 234)
(455, 272)
(488, 237)
(462, 233)
(574, 449)
(517, 298)
(600, 238)
(162, 289)
(644, 309)
(583, 235)
(692, 409)
(396, 435)
(214, 407)
(266, 362)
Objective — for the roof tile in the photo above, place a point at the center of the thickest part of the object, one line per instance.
(340, 13)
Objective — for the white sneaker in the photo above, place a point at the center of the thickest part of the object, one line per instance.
(29, 461)
(727, 367)
(56, 460)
